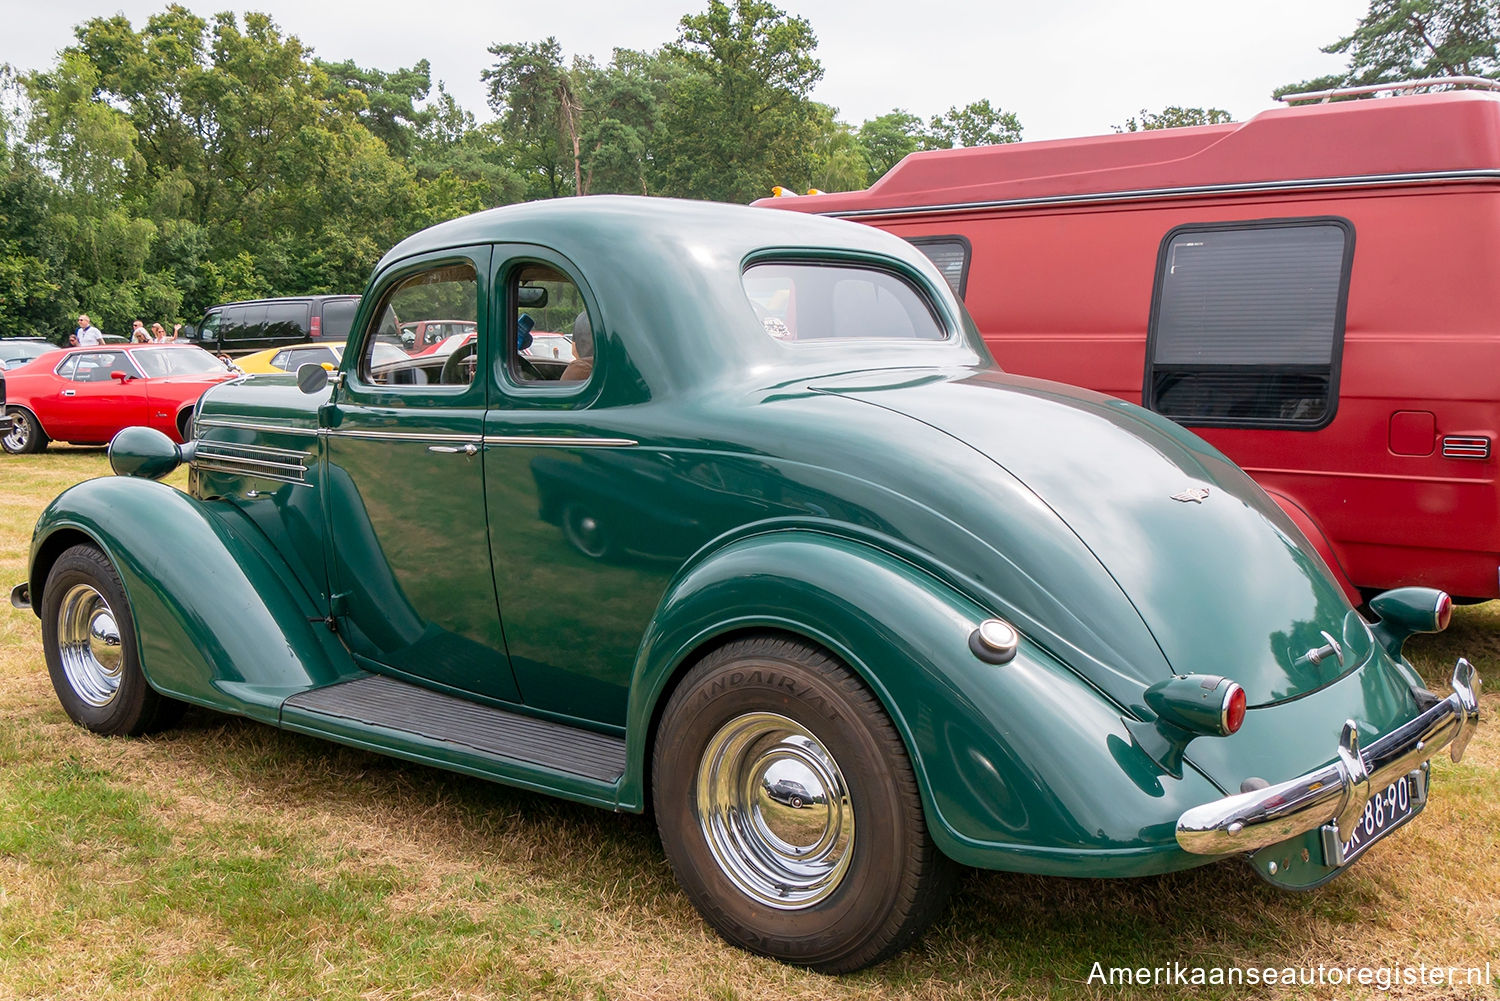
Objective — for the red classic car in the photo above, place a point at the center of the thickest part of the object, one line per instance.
(85, 395)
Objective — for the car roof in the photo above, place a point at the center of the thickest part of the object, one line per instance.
(648, 259)
(285, 298)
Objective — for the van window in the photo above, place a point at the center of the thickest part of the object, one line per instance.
(950, 254)
(242, 322)
(1247, 323)
(285, 321)
(338, 318)
(209, 329)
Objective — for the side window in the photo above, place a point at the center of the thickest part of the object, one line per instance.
(951, 256)
(209, 329)
(1247, 323)
(69, 369)
(286, 321)
(281, 360)
(551, 337)
(448, 291)
(242, 322)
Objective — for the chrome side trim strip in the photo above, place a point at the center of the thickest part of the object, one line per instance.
(219, 422)
(418, 436)
(543, 441)
(398, 435)
(1145, 194)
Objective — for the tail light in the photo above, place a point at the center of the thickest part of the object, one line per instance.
(315, 329)
(1234, 709)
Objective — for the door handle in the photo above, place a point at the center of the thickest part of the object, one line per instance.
(469, 449)
(70, 392)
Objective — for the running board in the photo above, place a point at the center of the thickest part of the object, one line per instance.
(408, 721)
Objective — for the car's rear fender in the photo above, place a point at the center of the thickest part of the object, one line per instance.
(218, 617)
(1022, 766)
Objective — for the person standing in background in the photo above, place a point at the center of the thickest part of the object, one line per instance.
(159, 333)
(138, 333)
(88, 334)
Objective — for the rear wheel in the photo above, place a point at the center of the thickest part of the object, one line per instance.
(89, 640)
(843, 878)
(24, 435)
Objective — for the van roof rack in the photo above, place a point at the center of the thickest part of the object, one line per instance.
(1404, 86)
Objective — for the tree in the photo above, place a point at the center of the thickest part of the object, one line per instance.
(975, 124)
(1414, 39)
(887, 139)
(386, 103)
(534, 95)
(737, 118)
(1174, 118)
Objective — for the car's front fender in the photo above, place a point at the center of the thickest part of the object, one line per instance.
(1022, 766)
(217, 617)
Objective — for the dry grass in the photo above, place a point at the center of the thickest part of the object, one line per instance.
(228, 859)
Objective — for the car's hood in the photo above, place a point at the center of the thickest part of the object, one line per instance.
(1223, 580)
(201, 379)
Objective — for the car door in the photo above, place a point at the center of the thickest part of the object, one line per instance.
(89, 404)
(405, 493)
(567, 487)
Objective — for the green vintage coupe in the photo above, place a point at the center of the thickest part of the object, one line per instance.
(781, 554)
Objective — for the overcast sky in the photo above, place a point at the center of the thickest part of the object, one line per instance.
(1066, 67)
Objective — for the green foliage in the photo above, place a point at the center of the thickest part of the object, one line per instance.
(975, 124)
(1414, 39)
(737, 119)
(1174, 118)
(149, 172)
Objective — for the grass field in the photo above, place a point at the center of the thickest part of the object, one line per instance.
(226, 859)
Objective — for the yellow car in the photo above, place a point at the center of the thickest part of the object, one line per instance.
(287, 359)
(291, 358)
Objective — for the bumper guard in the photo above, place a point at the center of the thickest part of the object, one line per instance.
(1337, 792)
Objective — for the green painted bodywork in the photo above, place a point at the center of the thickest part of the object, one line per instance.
(877, 498)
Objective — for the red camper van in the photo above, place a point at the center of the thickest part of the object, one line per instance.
(1315, 291)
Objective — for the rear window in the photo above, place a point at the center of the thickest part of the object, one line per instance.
(1248, 323)
(338, 318)
(815, 302)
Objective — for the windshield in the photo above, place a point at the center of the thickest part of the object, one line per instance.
(13, 353)
(160, 362)
(805, 302)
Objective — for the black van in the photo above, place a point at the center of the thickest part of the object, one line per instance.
(239, 327)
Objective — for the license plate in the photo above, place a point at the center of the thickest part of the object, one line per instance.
(1387, 810)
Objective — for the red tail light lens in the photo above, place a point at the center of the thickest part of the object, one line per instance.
(1234, 709)
(1444, 611)
(315, 329)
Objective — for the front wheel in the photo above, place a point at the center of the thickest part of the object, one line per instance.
(89, 640)
(841, 879)
(24, 434)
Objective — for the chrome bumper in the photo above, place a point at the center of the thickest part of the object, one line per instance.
(1337, 792)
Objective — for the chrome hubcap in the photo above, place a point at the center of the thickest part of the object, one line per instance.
(16, 438)
(88, 640)
(775, 811)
